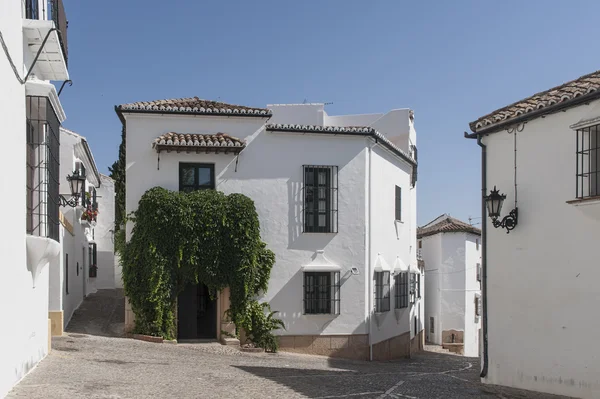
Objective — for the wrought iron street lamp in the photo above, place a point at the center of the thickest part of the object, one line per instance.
(494, 203)
(76, 183)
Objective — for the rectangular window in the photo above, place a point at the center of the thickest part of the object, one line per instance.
(382, 292)
(477, 305)
(479, 272)
(322, 293)
(196, 176)
(42, 168)
(432, 325)
(415, 287)
(398, 203)
(67, 273)
(420, 244)
(401, 290)
(588, 166)
(477, 244)
(320, 199)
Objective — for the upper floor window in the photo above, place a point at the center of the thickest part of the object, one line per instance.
(42, 168)
(320, 199)
(196, 176)
(477, 244)
(588, 166)
(415, 287)
(398, 203)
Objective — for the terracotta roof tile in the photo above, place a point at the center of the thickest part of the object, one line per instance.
(447, 225)
(358, 130)
(196, 142)
(563, 93)
(193, 105)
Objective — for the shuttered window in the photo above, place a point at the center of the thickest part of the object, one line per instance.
(398, 203)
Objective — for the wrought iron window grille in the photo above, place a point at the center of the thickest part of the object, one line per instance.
(320, 199)
(588, 166)
(401, 290)
(415, 287)
(42, 168)
(382, 292)
(321, 293)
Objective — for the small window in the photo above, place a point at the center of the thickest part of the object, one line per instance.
(477, 305)
(67, 273)
(398, 203)
(196, 176)
(401, 290)
(382, 292)
(420, 244)
(588, 166)
(322, 293)
(477, 244)
(432, 325)
(479, 272)
(415, 287)
(77, 268)
(320, 199)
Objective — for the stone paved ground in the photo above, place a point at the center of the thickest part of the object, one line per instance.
(82, 365)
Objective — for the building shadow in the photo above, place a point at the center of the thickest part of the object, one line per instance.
(101, 313)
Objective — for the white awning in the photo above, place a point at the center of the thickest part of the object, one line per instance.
(51, 64)
(381, 265)
(321, 264)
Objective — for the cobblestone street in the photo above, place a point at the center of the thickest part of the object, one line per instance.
(82, 365)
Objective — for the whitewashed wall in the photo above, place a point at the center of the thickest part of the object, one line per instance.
(103, 233)
(392, 239)
(270, 172)
(23, 340)
(543, 277)
(472, 288)
(431, 248)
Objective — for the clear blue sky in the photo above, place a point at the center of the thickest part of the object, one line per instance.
(450, 61)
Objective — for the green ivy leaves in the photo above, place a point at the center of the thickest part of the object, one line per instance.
(204, 236)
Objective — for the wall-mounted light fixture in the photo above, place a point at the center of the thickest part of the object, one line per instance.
(494, 203)
(76, 183)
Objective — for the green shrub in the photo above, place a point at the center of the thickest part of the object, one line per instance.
(258, 322)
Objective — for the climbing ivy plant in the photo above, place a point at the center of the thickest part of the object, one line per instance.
(180, 238)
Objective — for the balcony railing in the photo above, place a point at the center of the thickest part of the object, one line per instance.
(57, 10)
(419, 254)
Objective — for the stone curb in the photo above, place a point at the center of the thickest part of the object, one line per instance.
(148, 338)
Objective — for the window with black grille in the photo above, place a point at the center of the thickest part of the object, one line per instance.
(477, 305)
(320, 199)
(196, 176)
(42, 168)
(415, 287)
(322, 292)
(398, 203)
(588, 165)
(479, 272)
(401, 290)
(382, 292)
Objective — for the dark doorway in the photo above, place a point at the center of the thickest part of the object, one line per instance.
(196, 313)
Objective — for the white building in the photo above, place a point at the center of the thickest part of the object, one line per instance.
(86, 261)
(540, 281)
(31, 114)
(451, 252)
(365, 230)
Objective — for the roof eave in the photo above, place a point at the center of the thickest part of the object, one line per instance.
(373, 135)
(198, 149)
(121, 111)
(533, 115)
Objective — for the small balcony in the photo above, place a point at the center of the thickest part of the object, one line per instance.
(52, 60)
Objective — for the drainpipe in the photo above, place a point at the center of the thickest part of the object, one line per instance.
(484, 369)
(369, 251)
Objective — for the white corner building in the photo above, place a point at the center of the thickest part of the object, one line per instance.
(450, 250)
(33, 54)
(336, 199)
(540, 259)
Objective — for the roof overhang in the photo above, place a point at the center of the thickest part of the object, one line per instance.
(51, 63)
(198, 149)
(35, 87)
(82, 151)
